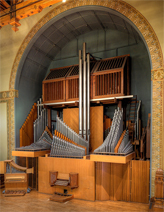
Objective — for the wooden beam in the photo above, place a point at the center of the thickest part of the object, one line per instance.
(4, 3)
(23, 10)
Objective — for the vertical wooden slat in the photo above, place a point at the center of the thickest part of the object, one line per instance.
(74, 85)
(116, 83)
(140, 181)
(95, 84)
(122, 82)
(98, 180)
(117, 181)
(108, 84)
(57, 90)
(64, 90)
(67, 90)
(126, 182)
(111, 83)
(98, 85)
(103, 84)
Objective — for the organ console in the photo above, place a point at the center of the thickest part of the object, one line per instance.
(59, 179)
(15, 177)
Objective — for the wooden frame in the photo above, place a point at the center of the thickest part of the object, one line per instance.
(112, 158)
(112, 82)
(50, 86)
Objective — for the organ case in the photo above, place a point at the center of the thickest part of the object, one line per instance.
(109, 78)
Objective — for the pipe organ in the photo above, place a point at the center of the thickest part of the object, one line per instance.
(91, 82)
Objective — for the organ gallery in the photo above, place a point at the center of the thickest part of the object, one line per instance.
(85, 106)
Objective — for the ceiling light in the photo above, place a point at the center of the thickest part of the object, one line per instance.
(64, 0)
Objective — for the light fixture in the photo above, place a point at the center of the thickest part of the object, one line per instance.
(64, 0)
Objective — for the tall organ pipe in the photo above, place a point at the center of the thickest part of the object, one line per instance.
(80, 97)
(84, 90)
(88, 96)
(84, 100)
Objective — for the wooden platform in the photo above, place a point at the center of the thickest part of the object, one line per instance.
(85, 169)
(31, 154)
(112, 158)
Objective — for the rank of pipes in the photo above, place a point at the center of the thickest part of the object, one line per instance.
(70, 134)
(43, 143)
(64, 148)
(114, 136)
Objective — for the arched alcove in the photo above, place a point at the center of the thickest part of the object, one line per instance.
(106, 33)
(38, 43)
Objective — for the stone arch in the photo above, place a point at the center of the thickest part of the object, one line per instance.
(157, 73)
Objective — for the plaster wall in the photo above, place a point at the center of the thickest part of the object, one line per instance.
(3, 131)
(10, 43)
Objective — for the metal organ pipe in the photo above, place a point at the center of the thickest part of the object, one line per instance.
(84, 95)
(88, 96)
(84, 90)
(84, 100)
(80, 95)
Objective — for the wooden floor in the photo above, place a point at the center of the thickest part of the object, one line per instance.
(35, 201)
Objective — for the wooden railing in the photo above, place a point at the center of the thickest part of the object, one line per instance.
(27, 131)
